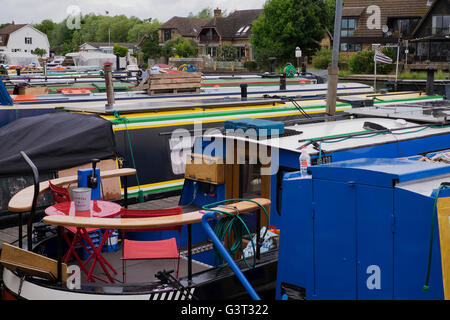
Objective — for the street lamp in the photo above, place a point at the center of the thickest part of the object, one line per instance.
(298, 55)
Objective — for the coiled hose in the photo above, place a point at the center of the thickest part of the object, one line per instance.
(231, 226)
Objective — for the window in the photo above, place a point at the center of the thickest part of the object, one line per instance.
(441, 25)
(28, 40)
(348, 27)
(240, 52)
(1, 38)
(212, 51)
(167, 35)
(350, 47)
(239, 31)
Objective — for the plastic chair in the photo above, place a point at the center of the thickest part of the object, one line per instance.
(61, 194)
(147, 250)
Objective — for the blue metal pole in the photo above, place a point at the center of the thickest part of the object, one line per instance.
(226, 255)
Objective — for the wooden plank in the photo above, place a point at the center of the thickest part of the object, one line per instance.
(29, 262)
(175, 81)
(175, 86)
(146, 223)
(443, 210)
(22, 201)
(175, 75)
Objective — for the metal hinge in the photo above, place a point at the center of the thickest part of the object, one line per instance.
(394, 224)
(313, 209)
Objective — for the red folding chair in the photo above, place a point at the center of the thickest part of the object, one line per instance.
(147, 250)
(61, 194)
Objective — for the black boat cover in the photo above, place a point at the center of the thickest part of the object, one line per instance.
(54, 141)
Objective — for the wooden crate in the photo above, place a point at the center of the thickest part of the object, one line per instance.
(174, 83)
(33, 90)
(205, 168)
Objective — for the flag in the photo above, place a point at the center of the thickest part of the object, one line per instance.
(379, 57)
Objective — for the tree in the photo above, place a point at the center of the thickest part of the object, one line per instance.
(120, 50)
(46, 26)
(285, 25)
(206, 13)
(39, 52)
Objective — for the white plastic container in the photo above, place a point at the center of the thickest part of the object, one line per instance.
(305, 162)
(82, 199)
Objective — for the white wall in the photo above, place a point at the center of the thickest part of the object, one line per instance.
(17, 40)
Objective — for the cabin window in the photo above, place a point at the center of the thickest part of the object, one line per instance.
(1, 38)
(348, 27)
(28, 40)
(441, 25)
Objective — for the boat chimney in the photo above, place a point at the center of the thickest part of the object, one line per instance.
(217, 13)
(109, 85)
(243, 91)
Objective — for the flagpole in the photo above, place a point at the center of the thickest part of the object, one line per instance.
(375, 75)
(396, 67)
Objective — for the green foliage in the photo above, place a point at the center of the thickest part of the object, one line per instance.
(322, 59)
(98, 28)
(120, 50)
(180, 47)
(39, 52)
(285, 25)
(362, 62)
(251, 66)
(206, 13)
(226, 52)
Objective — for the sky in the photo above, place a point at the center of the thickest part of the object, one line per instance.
(32, 11)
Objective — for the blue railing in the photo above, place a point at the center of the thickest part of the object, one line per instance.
(226, 255)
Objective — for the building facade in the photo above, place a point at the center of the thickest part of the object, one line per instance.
(180, 27)
(419, 27)
(234, 30)
(22, 38)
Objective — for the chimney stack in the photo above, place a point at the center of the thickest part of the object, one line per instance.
(217, 13)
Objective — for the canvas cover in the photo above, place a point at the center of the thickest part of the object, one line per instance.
(96, 59)
(55, 141)
(20, 58)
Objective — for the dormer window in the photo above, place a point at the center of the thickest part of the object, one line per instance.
(240, 30)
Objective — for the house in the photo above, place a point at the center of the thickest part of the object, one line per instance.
(399, 22)
(176, 27)
(431, 37)
(22, 38)
(234, 30)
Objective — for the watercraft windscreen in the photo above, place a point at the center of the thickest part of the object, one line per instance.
(55, 141)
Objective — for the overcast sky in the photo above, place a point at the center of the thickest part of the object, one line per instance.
(32, 11)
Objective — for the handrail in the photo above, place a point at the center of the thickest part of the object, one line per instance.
(22, 201)
(34, 201)
(225, 254)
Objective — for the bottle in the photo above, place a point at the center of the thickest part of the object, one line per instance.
(305, 162)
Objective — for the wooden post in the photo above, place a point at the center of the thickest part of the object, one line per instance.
(443, 211)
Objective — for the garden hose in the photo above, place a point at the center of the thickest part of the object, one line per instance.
(124, 121)
(430, 250)
(289, 70)
(232, 225)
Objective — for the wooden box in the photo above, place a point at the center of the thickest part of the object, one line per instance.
(33, 90)
(205, 168)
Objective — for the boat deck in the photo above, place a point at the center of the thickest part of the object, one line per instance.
(136, 270)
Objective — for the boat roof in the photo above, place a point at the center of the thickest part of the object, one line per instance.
(342, 134)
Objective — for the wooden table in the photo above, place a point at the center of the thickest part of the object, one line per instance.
(99, 209)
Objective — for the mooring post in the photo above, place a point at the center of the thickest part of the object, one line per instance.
(430, 80)
(283, 81)
(109, 85)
